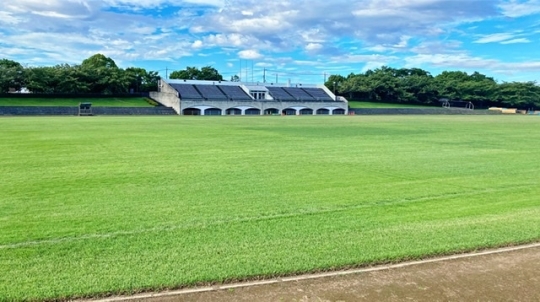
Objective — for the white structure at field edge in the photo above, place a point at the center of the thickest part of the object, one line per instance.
(192, 97)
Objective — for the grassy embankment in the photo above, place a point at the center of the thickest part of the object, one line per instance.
(74, 102)
(361, 104)
(108, 205)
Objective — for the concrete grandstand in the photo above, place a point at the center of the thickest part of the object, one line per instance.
(192, 97)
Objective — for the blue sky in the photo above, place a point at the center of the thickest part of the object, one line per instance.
(299, 40)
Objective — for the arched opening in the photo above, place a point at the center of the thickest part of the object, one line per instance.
(271, 111)
(323, 111)
(339, 111)
(191, 111)
(306, 111)
(212, 111)
(253, 111)
(289, 111)
(233, 111)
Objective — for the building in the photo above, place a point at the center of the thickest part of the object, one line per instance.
(191, 97)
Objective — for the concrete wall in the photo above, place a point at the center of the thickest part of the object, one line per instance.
(24, 110)
(261, 105)
(389, 111)
(167, 96)
(133, 111)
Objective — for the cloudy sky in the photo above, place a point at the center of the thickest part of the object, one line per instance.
(285, 39)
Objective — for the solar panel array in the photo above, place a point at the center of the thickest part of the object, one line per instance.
(210, 92)
(221, 92)
(187, 91)
(298, 94)
(279, 94)
(235, 92)
(318, 94)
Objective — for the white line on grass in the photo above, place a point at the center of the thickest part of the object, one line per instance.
(314, 276)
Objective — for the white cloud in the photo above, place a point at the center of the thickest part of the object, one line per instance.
(515, 41)
(438, 47)
(372, 59)
(197, 44)
(499, 37)
(230, 40)
(464, 61)
(264, 64)
(516, 8)
(9, 18)
(249, 54)
(314, 46)
(68, 9)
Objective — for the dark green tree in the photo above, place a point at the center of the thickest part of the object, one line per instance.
(335, 83)
(11, 75)
(523, 95)
(103, 76)
(142, 80)
(207, 73)
(99, 61)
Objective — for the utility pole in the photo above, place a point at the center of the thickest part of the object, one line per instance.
(264, 75)
(325, 77)
(247, 70)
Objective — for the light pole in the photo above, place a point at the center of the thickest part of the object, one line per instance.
(335, 96)
(166, 72)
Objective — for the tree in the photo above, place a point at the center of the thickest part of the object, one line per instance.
(104, 76)
(385, 84)
(235, 78)
(417, 86)
(11, 75)
(206, 73)
(521, 95)
(334, 83)
(476, 87)
(99, 61)
(209, 73)
(142, 80)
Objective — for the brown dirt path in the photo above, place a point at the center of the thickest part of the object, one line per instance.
(500, 276)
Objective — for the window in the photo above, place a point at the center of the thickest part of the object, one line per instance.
(258, 95)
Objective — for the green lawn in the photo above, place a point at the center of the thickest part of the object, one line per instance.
(74, 102)
(109, 205)
(358, 104)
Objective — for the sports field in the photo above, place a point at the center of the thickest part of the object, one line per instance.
(108, 205)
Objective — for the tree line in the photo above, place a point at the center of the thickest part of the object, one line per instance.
(417, 86)
(97, 74)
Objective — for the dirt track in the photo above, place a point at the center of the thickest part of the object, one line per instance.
(507, 276)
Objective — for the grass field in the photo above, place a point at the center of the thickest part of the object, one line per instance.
(74, 102)
(110, 205)
(358, 104)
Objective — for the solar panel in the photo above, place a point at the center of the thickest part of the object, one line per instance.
(279, 94)
(298, 94)
(234, 92)
(318, 94)
(210, 92)
(186, 91)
